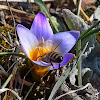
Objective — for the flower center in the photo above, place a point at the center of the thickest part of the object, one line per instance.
(37, 53)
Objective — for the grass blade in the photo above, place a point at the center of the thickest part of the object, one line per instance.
(88, 30)
(58, 84)
(89, 39)
(42, 5)
(12, 53)
(28, 92)
(6, 89)
(7, 81)
(89, 33)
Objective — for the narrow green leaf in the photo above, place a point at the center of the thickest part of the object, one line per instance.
(7, 81)
(42, 5)
(12, 53)
(55, 23)
(58, 24)
(28, 92)
(6, 89)
(88, 30)
(89, 39)
(89, 33)
(58, 84)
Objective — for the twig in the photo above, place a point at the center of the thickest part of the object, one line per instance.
(2, 17)
(24, 80)
(31, 1)
(87, 18)
(11, 14)
(79, 7)
(73, 91)
(5, 48)
(12, 81)
(10, 38)
(15, 10)
(81, 10)
(6, 40)
(12, 65)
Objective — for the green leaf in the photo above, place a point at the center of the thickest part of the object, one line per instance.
(88, 30)
(6, 89)
(28, 92)
(55, 23)
(42, 5)
(90, 39)
(12, 53)
(59, 26)
(58, 84)
(89, 33)
(7, 81)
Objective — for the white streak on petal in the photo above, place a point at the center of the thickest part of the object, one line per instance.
(27, 38)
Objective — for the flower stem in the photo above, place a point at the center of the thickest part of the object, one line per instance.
(79, 63)
(78, 51)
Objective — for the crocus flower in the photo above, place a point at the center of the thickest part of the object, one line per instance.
(40, 40)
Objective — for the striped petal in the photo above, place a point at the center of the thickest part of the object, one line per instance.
(68, 38)
(27, 38)
(67, 57)
(41, 27)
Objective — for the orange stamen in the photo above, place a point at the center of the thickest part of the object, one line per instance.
(35, 53)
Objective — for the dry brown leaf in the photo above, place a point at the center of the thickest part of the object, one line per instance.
(86, 3)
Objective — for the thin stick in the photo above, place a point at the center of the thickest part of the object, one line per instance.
(12, 18)
(13, 81)
(6, 40)
(79, 7)
(5, 48)
(87, 18)
(12, 66)
(82, 12)
(15, 10)
(10, 39)
(11, 14)
(73, 91)
(24, 80)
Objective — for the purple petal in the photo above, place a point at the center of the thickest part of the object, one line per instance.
(27, 38)
(41, 27)
(68, 38)
(67, 57)
(41, 63)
